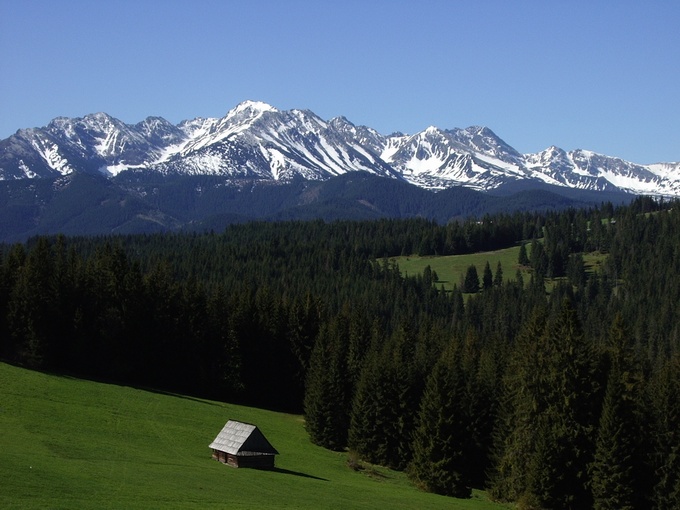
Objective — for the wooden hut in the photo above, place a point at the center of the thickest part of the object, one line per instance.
(243, 445)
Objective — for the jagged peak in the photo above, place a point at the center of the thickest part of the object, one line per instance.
(554, 149)
(154, 119)
(341, 120)
(433, 157)
(251, 106)
(101, 118)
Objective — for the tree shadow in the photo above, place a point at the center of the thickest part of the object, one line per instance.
(297, 473)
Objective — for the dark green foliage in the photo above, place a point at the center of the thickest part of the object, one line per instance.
(569, 416)
(616, 469)
(539, 259)
(544, 443)
(471, 280)
(523, 259)
(487, 278)
(664, 405)
(387, 393)
(32, 306)
(520, 410)
(373, 431)
(314, 317)
(498, 275)
(576, 271)
(443, 438)
(327, 396)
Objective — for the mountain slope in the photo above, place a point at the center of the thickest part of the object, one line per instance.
(256, 140)
(96, 445)
(147, 202)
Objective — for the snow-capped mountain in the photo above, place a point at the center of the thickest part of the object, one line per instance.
(256, 140)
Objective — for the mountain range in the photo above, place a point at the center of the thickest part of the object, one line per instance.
(96, 175)
(257, 141)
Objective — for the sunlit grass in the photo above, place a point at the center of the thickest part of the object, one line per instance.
(451, 269)
(68, 443)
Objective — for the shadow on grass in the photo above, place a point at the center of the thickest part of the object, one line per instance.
(297, 473)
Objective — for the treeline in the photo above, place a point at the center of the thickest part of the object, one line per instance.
(561, 399)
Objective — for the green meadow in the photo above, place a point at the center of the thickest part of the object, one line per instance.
(451, 268)
(70, 443)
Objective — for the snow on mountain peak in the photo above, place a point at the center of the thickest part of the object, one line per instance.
(251, 108)
(254, 139)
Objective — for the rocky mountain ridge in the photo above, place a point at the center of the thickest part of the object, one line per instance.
(255, 140)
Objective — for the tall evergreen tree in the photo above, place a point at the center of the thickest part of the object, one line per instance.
(471, 280)
(498, 275)
(326, 402)
(560, 476)
(32, 305)
(664, 397)
(523, 258)
(374, 430)
(487, 277)
(545, 433)
(520, 408)
(614, 471)
(441, 443)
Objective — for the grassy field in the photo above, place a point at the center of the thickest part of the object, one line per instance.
(68, 443)
(451, 269)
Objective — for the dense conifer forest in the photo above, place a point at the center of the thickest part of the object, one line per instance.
(562, 391)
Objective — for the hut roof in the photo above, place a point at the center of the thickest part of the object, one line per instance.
(242, 439)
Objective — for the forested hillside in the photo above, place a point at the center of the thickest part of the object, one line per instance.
(562, 391)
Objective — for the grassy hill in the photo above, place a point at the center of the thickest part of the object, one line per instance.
(68, 443)
(451, 268)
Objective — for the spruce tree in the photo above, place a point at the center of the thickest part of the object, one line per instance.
(664, 398)
(374, 432)
(442, 439)
(520, 407)
(326, 402)
(31, 307)
(543, 441)
(560, 479)
(617, 457)
(498, 276)
(471, 281)
(487, 277)
(523, 258)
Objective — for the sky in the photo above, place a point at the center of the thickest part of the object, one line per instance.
(600, 75)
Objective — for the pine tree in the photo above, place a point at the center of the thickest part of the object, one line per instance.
(664, 397)
(544, 442)
(31, 307)
(560, 476)
(520, 407)
(522, 258)
(487, 277)
(576, 272)
(443, 436)
(10, 271)
(617, 456)
(471, 281)
(498, 276)
(373, 432)
(326, 402)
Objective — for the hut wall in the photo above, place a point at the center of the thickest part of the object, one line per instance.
(249, 461)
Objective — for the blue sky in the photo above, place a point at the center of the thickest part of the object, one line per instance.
(597, 75)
